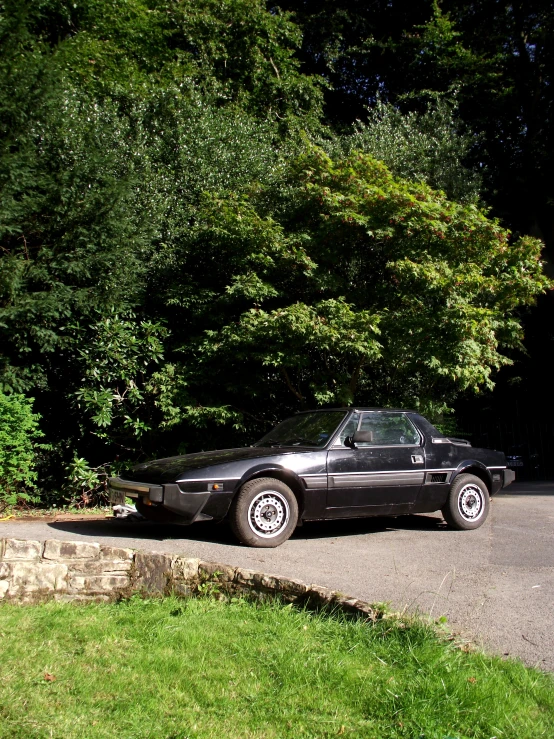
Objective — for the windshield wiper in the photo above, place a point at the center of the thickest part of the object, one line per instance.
(296, 440)
(293, 441)
(268, 442)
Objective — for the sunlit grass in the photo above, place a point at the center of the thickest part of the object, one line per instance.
(200, 668)
(15, 512)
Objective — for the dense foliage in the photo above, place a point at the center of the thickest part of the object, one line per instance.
(19, 445)
(429, 146)
(498, 57)
(181, 265)
(356, 286)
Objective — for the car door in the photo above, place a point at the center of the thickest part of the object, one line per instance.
(381, 476)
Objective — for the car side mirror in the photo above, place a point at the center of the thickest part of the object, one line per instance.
(363, 437)
(359, 437)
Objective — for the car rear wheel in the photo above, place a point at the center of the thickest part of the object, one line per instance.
(264, 513)
(467, 506)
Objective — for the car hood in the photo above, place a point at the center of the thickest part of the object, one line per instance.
(169, 469)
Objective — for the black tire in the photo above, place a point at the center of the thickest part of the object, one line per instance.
(467, 506)
(264, 513)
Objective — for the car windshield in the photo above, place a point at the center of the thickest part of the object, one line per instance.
(305, 429)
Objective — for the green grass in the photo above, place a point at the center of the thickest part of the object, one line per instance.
(41, 512)
(201, 668)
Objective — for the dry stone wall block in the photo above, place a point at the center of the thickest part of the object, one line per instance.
(76, 597)
(245, 577)
(5, 577)
(351, 605)
(185, 568)
(54, 549)
(183, 588)
(32, 577)
(116, 553)
(219, 572)
(366, 610)
(319, 596)
(99, 583)
(153, 572)
(100, 567)
(21, 549)
(291, 587)
(263, 582)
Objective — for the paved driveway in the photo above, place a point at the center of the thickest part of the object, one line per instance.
(495, 585)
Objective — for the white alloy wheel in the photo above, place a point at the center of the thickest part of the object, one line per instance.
(471, 502)
(264, 513)
(268, 514)
(468, 502)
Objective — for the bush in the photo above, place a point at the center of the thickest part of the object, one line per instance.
(19, 434)
(86, 485)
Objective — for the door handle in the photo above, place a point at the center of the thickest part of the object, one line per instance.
(417, 459)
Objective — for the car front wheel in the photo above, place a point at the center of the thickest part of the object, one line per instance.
(264, 513)
(468, 502)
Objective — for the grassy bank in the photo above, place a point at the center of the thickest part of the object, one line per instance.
(174, 668)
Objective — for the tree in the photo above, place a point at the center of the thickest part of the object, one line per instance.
(175, 255)
(113, 124)
(498, 56)
(431, 146)
(234, 52)
(344, 284)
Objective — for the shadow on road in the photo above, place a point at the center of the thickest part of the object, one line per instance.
(360, 526)
(208, 532)
(220, 533)
(531, 487)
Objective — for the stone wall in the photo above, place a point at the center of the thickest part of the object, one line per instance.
(32, 571)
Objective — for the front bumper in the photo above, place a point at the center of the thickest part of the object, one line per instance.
(186, 507)
(509, 477)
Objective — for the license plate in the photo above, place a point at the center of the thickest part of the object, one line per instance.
(515, 463)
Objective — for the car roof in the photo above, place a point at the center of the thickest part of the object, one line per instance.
(358, 409)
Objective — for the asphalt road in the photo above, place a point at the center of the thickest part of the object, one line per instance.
(495, 585)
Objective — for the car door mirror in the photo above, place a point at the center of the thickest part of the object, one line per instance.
(360, 437)
(363, 437)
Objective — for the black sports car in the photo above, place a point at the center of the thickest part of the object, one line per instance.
(317, 465)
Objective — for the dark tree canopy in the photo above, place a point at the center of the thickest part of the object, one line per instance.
(497, 56)
(211, 208)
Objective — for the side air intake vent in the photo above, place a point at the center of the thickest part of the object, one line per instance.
(437, 477)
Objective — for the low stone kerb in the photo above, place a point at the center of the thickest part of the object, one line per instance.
(70, 570)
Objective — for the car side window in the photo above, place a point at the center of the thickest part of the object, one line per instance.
(388, 429)
(349, 429)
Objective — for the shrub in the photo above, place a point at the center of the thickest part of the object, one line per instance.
(19, 434)
(86, 485)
